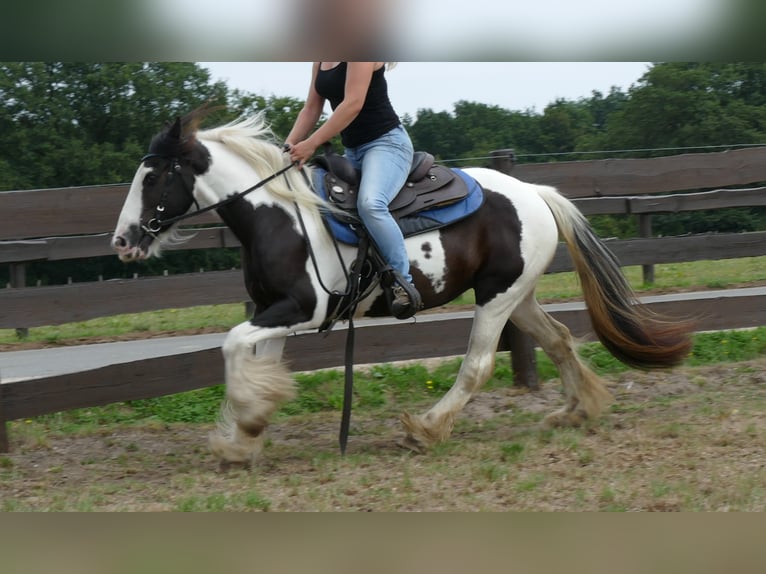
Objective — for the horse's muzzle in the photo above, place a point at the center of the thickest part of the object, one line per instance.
(131, 245)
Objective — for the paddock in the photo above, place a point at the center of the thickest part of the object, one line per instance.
(44, 237)
(688, 440)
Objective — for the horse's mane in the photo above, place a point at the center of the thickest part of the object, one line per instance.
(252, 139)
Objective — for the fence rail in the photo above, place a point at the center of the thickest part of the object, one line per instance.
(71, 223)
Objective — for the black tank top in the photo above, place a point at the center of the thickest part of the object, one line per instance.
(377, 115)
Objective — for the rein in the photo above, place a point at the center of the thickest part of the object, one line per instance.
(154, 225)
(351, 296)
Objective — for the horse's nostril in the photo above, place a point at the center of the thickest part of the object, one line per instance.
(119, 241)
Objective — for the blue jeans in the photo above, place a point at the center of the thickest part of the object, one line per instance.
(385, 164)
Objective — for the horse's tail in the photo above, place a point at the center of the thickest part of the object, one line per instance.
(631, 331)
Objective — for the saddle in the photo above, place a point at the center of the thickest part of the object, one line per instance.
(428, 185)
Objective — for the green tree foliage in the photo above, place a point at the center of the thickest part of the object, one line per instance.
(680, 104)
(472, 131)
(69, 124)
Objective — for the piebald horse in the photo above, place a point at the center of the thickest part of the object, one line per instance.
(292, 269)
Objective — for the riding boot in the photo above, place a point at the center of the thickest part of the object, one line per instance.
(406, 299)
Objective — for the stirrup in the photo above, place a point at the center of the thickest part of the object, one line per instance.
(415, 301)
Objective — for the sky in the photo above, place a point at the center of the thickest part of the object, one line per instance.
(516, 86)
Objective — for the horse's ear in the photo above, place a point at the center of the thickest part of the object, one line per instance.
(175, 130)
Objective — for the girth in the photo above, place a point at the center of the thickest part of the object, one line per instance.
(428, 185)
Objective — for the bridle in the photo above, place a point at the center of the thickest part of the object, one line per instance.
(156, 223)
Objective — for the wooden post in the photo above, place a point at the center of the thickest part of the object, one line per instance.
(18, 276)
(523, 356)
(522, 346)
(4, 445)
(503, 160)
(645, 230)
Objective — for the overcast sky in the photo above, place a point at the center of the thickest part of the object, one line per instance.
(514, 86)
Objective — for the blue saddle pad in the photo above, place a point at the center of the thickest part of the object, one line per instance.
(427, 220)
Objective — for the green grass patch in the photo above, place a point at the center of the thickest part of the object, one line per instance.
(718, 274)
(728, 346)
(212, 317)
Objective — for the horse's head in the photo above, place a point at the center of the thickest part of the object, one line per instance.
(162, 189)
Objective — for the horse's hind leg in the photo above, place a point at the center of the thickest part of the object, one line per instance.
(478, 365)
(257, 383)
(585, 392)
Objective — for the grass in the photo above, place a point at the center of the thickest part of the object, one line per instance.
(691, 275)
(211, 317)
(718, 274)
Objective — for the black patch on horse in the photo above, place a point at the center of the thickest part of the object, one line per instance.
(274, 258)
(170, 144)
(471, 247)
(502, 228)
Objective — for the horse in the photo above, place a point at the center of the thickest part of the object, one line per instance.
(293, 271)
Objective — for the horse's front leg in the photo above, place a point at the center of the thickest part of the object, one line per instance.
(257, 384)
(435, 426)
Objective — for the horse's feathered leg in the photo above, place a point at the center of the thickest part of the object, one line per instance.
(257, 383)
(585, 392)
(423, 431)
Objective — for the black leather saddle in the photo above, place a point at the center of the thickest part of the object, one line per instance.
(428, 185)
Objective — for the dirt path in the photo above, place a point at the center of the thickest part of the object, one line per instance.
(687, 439)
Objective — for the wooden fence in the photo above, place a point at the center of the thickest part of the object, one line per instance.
(72, 223)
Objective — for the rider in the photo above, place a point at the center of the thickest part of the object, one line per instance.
(375, 142)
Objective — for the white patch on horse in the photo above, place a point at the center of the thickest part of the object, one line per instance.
(539, 234)
(131, 211)
(427, 254)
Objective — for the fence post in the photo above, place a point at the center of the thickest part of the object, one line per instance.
(521, 345)
(645, 230)
(4, 445)
(18, 277)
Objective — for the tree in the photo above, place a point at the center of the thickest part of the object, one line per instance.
(435, 133)
(472, 131)
(68, 124)
(563, 124)
(689, 104)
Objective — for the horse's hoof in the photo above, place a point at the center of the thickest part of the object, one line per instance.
(231, 454)
(412, 444)
(422, 432)
(564, 418)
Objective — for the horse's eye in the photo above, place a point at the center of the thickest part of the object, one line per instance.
(150, 179)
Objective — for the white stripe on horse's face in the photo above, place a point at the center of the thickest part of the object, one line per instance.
(124, 238)
(427, 254)
(131, 211)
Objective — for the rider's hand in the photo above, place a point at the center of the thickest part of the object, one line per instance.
(302, 151)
